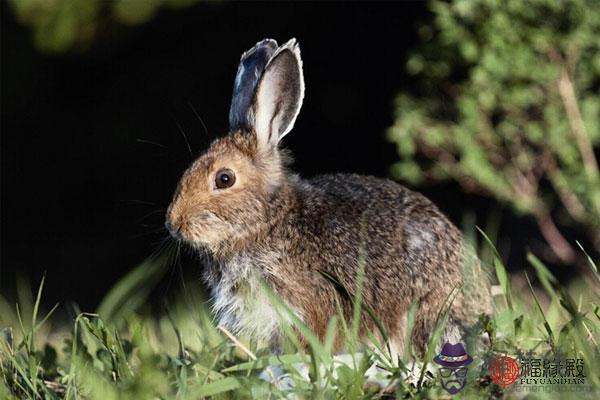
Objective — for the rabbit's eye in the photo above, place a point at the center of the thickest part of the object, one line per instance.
(224, 178)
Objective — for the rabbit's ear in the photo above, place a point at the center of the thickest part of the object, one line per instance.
(250, 70)
(279, 95)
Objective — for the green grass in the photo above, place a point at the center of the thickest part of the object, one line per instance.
(124, 352)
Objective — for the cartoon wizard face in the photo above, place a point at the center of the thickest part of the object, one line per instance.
(453, 361)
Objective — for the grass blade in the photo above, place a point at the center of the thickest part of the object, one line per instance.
(541, 311)
(214, 388)
(501, 273)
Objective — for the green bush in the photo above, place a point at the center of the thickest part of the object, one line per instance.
(506, 103)
(62, 25)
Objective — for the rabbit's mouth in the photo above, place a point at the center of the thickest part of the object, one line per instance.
(201, 230)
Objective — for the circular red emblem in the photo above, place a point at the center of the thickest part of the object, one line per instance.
(504, 370)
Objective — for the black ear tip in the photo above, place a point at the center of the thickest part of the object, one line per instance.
(265, 46)
(267, 42)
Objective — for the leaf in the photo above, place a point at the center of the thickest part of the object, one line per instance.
(544, 275)
(211, 389)
(262, 362)
(591, 262)
(541, 311)
(500, 271)
(132, 290)
(410, 324)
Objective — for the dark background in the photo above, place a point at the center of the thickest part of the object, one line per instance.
(84, 193)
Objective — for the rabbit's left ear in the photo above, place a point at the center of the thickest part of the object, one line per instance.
(251, 68)
(279, 95)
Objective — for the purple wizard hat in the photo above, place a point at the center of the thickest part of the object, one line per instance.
(453, 355)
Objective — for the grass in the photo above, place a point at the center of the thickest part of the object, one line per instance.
(121, 352)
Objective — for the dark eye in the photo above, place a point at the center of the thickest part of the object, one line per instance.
(224, 178)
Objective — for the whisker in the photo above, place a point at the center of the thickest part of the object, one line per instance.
(149, 214)
(189, 303)
(135, 201)
(183, 134)
(151, 142)
(172, 261)
(199, 117)
(148, 233)
(161, 248)
(180, 270)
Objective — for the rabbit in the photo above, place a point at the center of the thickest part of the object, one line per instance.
(306, 239)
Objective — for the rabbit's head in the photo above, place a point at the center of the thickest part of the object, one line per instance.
(226, 194)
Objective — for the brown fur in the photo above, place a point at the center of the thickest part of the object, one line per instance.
(411, 251)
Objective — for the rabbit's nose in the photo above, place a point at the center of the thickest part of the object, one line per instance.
(173, 228)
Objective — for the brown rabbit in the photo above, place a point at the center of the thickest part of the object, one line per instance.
(257, 221)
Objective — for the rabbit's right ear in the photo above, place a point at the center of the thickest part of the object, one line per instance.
(279, 95)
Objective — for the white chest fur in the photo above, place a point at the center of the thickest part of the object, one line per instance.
(240, 302)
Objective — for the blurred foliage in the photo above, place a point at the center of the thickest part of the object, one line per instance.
(507, 104)
(62, 25)
(124, 353)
